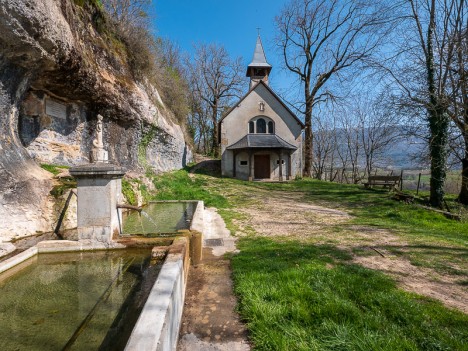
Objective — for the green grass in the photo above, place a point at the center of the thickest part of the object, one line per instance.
(64, 183)
(430, 233)
(128, 192)
(54, 169)
(434, 241)
(297, 296)
(376, 208)
(178, 185)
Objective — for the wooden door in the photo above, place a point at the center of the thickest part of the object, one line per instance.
(262, 166)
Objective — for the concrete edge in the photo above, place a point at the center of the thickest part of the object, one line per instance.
(171, 201)
(157, 328)
(17, 259)
(51, 246)
(198, 219)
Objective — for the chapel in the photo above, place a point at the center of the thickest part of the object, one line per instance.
(260, 137)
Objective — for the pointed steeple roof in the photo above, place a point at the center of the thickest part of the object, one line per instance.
(259, 58)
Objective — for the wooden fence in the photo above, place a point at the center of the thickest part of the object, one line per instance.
(416, 180)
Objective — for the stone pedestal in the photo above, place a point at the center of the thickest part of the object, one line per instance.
(99, 155)
(99, 191)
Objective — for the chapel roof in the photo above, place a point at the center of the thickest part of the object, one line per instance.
(261, 141)
(259, 58)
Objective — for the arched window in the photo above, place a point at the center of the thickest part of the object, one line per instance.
(271, 128)
(261, 125)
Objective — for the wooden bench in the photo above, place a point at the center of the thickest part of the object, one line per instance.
(390, 182)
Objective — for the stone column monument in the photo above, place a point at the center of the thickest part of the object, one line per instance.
(99, 186)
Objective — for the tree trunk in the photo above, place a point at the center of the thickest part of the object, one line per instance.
(215, 142)
(308, 147)
(438, 122)
(463, 196)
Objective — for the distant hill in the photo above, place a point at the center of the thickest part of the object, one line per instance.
(406, 153)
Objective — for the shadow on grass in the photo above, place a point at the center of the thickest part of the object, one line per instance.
(375, 207)
(208, 167)
(297, 296)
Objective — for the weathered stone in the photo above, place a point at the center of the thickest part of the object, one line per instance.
(158, 326)
(6, 248)
(99, 193)
(159, 252)
(56, 74)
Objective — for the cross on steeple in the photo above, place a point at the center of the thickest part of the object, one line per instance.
(259, 68)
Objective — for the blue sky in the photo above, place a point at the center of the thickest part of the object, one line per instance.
(231, 23)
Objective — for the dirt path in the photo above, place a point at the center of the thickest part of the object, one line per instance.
(287, 214)
(209, 320)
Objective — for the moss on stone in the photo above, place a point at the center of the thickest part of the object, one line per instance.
(54, 169)
(129, 193)
(64, 184)
(147, 136)
(95, 3)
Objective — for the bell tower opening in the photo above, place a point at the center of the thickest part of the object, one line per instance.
(259, 68)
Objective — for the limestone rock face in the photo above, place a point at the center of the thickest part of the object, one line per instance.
(57, 72)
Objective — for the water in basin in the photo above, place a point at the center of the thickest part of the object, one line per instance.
(75, 301)
(160, 217)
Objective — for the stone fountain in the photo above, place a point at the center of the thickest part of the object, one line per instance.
(99, 190)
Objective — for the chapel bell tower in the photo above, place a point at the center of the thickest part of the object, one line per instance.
(259, 68)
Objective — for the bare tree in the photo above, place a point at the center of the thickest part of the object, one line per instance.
(342, 153)
(356, 132)
(128, 14)
(379, 128)
(170, 77)
(132, 27)
(199, 122)
(328, 138)
(350, 135)
(325, 146)
(436, 80)
(321, 39)
(215, 80)
(421, 68)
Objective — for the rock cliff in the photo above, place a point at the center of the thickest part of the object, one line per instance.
(58, 69)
